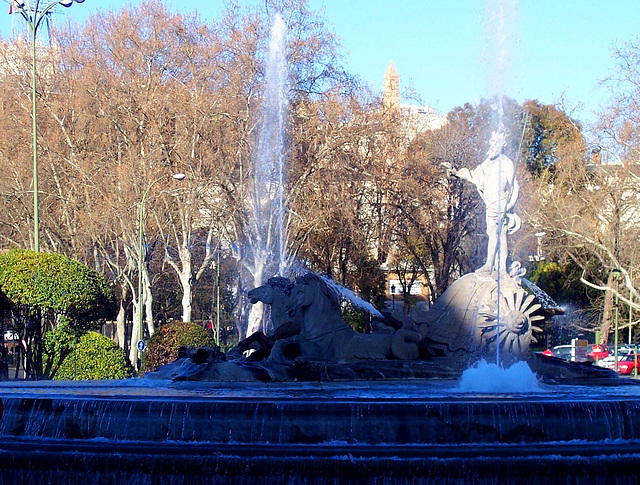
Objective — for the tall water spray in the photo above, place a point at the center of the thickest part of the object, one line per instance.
(266, 244)
(501, 24)
(500, 41)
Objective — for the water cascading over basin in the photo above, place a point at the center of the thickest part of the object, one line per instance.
(395, 431)
(411, 432)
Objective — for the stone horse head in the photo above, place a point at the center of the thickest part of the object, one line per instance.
(320, 306)
(285, 311)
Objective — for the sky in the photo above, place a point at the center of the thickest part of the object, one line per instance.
(450, 52)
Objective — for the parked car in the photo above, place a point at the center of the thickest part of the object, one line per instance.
(569, 352)
(562, 351)
(10, 336)
(624, 349)
(626, 362)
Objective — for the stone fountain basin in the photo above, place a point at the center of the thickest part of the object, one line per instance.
(407, 431)
(429, 412)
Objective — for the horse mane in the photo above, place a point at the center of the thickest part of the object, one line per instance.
(281, 283)
(329, 293)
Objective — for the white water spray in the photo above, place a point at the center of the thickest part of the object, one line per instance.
(493, 378)
(269, 170)
(350, 296)
(501, 25)
(266, 244)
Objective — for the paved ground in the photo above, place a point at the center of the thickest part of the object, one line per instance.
(12, 373)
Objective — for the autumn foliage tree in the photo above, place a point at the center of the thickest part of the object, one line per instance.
(589, 194)
(135, 95)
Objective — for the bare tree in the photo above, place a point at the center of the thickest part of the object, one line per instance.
(586, 199)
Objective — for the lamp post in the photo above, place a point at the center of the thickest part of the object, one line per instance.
(539, 257)
(34, 15)
(616, 272)
(218, 296)
(393, 298)
(141, 258)
(630, 303)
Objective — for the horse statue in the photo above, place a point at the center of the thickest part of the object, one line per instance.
(284, 312)
(276, 293)
(324, 336)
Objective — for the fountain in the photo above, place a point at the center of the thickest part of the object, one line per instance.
(415, 431)
(315, 402)
(323, 404)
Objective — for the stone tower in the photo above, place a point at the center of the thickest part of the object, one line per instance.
(391, 89)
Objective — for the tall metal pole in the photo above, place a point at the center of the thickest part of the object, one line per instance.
(615, 338)
(34, 116)
(218, 297)
(141, 257)
(34, 17)
(616, 272)
(630, 302)
(630, 317)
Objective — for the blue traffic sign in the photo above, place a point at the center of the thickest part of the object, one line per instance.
(142, 345)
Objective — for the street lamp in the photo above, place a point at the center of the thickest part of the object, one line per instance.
(34, 15)
(616, 272)
(218, 295)
(141, 256)
(393, 297)
(539, 235)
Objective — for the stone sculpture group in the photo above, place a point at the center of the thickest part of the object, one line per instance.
(478, 313)
(481, 312)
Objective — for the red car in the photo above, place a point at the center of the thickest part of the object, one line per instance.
(598, 351)
(626, 363)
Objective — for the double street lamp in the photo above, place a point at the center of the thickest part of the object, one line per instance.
(34, 13)
(142, 257)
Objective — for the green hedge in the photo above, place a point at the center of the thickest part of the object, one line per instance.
(163, 345)
(95, 357)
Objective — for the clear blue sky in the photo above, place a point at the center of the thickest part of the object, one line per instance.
(446, 49)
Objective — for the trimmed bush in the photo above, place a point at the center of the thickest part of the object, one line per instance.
(95, 357)
(57, 344)
(163, 345)
(54, 284)
(41, 290)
